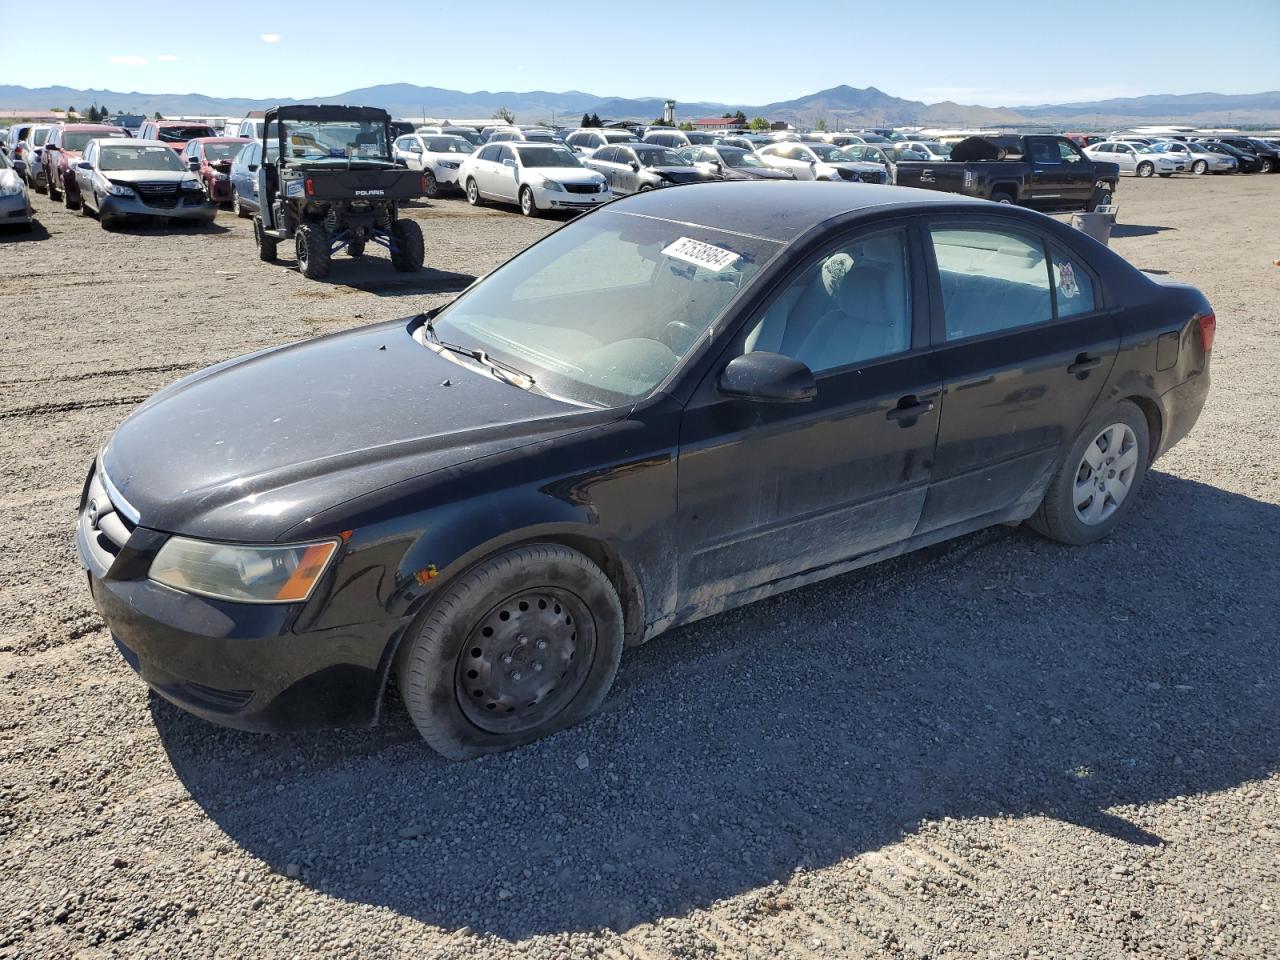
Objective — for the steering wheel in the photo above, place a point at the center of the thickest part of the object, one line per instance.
(679, 336)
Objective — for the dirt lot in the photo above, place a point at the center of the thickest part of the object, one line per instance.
(997, 748)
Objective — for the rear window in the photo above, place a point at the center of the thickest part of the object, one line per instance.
(183, 134)
(222, 151)
(76, 140)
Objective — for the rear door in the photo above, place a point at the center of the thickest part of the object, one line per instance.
(1023, 347)
(768, 491)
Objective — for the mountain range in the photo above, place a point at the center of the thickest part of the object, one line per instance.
(839, 106)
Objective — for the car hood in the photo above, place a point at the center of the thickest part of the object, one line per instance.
(564, 174)
(856, 166)
(757, 173)
(148, 176)
(676, 174)
(249, 448)
(8, 178)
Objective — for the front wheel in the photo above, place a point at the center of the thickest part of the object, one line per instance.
(1146, 169)
(473, 192)
(528, 206)
(432, 187)
(1267, 166)
(1101, 197)
(519, 647)
(407, 249)
(68, 201)
(1002, 196)
(1099, 479)
(1200, 167)
(312, 247)
(266, 245)
(356, 248)
(237, 207)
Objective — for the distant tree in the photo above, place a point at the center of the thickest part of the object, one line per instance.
(759, 123)
(505, 115)
(726, 116)
(103, 112)
(157, 116)
(685, 126)
(71, 111)
(595, 119)
(740, 117)
(821, 124)
(586, 120)
(95, 114)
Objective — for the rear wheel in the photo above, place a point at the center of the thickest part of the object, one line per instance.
(1099, 479)
(521, 646)
(68, 201)
(266, 245)
(312, 248)
(408, 251)
(1146, 168)
(1003, 196)
(1267, 165)
(1200, 167)
(237, 208)
(528, 206)
(473, 192)
(53, 190)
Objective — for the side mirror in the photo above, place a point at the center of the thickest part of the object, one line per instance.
(84, 165)
(768, 378)
(193, 163)
(508, 162)
(253, 168)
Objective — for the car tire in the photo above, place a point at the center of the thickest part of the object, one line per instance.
(528, 205)
(1267, 166)
(1098, 480)
(1165, 176)
(473, 193)
(1145, 169)
(1200, 167)
(266, 245)
(237, 207)
(478, 674)
(356, 248)
(1003, 196)
(105, 222)
(312, 249)
(84, 208)
(409, 250)
(432, 187)
(52, 191)
(68, 201)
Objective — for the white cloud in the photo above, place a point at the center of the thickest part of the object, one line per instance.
(270, 37)
(130, 60)
(167, 58)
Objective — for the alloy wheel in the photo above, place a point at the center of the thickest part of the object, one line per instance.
(1105, 474)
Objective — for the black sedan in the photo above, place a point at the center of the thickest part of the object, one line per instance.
(1264, 150)
(678, 404)
(1246, 162)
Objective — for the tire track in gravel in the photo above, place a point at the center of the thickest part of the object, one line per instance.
(100, 374)
(70, 406)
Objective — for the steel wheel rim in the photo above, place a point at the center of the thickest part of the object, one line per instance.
(1145, 169)
(525, 660)
(1106, 474)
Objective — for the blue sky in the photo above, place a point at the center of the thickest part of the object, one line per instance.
(743, 51)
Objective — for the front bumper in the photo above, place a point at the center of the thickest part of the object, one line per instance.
(444, 175)
(248, 666)
(15, 209)
(203, 210)
(555, 200)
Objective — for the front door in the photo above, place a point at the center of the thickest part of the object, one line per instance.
(1023, 348)
(767, 490)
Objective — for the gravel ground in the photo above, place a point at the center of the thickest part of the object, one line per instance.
(1000, 747)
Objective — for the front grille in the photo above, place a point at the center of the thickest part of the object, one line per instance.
(583, 187)
(869, 177)
(163, 195)
(106, 525)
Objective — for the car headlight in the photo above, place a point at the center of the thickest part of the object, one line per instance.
(119, 190)
(602, 184)
(192, 185)
(241, 572)
(552, 186)
(12, 188)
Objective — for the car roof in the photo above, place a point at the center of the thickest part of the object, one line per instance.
(135, 142)
(783, 210)
(90, 127)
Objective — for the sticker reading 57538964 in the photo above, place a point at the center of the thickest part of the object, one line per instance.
(705, 255)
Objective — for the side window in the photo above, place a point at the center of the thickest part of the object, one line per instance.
(850, 305)
(1072, 285)
(606, 155)
(1069, 152)
(1043, 151)
(856, 152)
(991, 281)
(490, 152)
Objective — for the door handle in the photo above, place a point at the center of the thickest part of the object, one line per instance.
(1084, 363)
(909, 408)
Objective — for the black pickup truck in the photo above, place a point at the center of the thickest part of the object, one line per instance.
(1041, 172)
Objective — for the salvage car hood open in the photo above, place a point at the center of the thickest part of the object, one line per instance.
(246, 449)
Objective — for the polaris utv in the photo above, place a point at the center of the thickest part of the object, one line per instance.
(328, 180)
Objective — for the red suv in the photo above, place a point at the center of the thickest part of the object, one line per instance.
(62, 152)
(175, 133)
(210, 158)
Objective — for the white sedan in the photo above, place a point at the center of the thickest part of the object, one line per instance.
(821, 161)
(1136, 158)
(1197, 158)
(537, 176)
(439, 157)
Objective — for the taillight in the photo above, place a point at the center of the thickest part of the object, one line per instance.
(310, 187)
(1208, 327)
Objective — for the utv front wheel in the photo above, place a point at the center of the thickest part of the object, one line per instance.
(266, 245)
(313, 252)
(407, 249)
(520, 647)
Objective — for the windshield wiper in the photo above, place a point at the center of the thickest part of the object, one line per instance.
(503, 371)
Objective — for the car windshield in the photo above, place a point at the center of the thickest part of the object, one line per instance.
(602, 310)
(826, 151)
(1141, 148)
(740, 158)
(336, 142)
(183, 134)
(139, 157)
(76, 140)
(449, 145)
(660, 157)
(548, 156)
(216, 152)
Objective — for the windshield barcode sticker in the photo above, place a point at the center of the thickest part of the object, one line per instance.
(705, 255)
